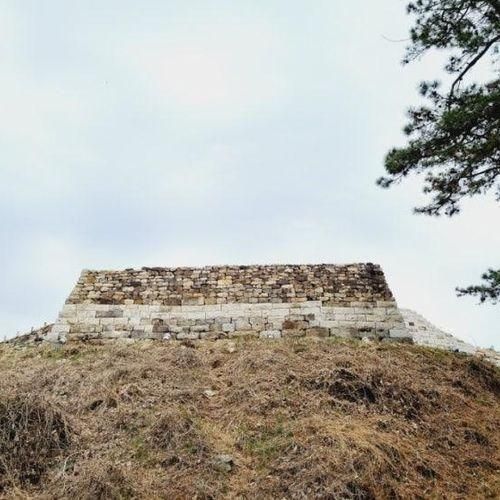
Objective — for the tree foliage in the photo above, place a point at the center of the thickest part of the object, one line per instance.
(490, 290)
(454, 138)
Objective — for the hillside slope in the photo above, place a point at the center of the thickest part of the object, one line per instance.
(301, 418)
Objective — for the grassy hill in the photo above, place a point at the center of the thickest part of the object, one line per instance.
(263, 419)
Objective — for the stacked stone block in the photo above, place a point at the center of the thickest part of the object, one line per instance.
(231, 301)
(332, 285)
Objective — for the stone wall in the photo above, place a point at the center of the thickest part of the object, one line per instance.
(231, 301)
(332, 285)
(426, 334)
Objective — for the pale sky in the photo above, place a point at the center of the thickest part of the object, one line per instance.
(166, 133)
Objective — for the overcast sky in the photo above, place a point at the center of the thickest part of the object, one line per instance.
(166, 133)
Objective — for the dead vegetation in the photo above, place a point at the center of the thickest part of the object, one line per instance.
(302, 418)
(32, 433)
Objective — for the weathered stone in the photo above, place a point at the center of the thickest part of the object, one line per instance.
(228, 327)
(187, 335)
(112, 313)
(270, 334)
(289, 324)
(199, 328)
(223, 463)
(242, 324)
(230, 347)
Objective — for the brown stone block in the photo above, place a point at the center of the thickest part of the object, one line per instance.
(172, 301)
(290, 324)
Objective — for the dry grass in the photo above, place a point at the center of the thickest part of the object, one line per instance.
(301, 418)
(32, 433)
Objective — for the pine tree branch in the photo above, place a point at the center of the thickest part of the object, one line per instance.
(469, 66)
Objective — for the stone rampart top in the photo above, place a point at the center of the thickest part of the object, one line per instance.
(335, 285)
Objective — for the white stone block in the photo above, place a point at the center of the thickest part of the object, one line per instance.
(399, 333)
(386, 303)
(114, 334)
(242, 324)
(333, 324)
(211, 315)
(354, 317)
(175, 329)
(188, 335)
(312, 310)
(87, 314)
(106, 321)
(59, 328)
(52, 336)
(212, 308)
(191, 308)
(280, 305)
(364, 324)
(196, 315)
(336, 310)
(263, 306)
(278, 313)
(330, 323)
(233, 307)
(270, 334)
(360, 304)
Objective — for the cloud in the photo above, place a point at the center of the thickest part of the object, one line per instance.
(191, 133)
(223, 70)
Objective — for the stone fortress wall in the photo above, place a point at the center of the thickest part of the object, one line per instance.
(424, 333)
(267, 301)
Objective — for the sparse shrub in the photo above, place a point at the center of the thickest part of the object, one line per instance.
(32, 433)
(376, 389)
(187, 358)
(178, 434)
(487, 375)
